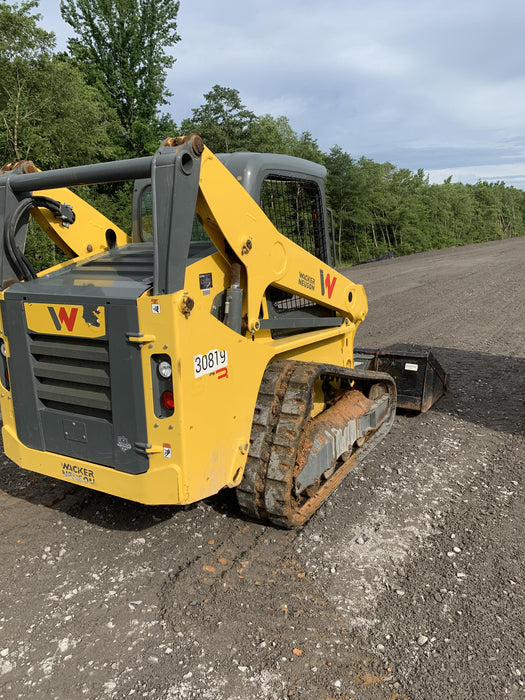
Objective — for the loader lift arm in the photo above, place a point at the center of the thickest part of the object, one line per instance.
(89, 232)
(188, 176)
(268, 257)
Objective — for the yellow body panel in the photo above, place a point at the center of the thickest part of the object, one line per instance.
(209, 432)
(203, 446)
(157, 486)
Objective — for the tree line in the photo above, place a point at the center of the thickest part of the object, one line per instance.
(103, 99)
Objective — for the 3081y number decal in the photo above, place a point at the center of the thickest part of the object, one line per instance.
(209, 362)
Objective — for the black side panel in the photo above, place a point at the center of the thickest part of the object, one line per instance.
(77, 437)
(25, 403)
(78, 397)
(127, 390)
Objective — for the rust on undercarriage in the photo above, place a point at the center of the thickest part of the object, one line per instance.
(350, 407)
(282, 440)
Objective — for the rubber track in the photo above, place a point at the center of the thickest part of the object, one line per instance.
(282, 411)
(295, 412)
(250, 492)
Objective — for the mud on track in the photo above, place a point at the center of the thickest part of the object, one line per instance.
(409, 583)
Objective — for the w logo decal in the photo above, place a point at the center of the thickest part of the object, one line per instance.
(327, 283)
(78, 320)
(63, 318)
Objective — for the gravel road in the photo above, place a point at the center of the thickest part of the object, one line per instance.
(409, 582)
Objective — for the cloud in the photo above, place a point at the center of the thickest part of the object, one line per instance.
(513, 174)
(409, 81)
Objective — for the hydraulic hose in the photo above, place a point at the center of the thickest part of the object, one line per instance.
(18, 261)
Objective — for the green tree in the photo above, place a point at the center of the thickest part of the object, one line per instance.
(268, 134)
(46, 108)
(223, 121)
(22, 44)
(47, 111)
(407, 213)
(308, 148)
(122, 47)
(341, 190)
(20, 35)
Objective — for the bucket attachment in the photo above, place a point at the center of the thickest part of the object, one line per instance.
(420, 379)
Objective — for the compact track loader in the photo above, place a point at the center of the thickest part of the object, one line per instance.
(213, 348)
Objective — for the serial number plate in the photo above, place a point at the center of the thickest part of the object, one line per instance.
(209, 362)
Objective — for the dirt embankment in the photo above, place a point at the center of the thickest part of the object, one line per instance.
(409, 583)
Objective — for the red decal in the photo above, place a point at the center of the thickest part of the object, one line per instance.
(222, 373)
(330, 284)
(68, 320)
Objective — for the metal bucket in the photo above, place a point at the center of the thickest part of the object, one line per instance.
(420, 379)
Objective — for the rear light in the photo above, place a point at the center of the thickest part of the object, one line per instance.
(162, 385)
(164, 369)
(3, 364)
(167, 400)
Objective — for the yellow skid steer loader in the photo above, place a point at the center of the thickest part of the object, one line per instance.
(212, 348)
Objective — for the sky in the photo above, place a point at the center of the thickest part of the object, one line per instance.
(431, 84)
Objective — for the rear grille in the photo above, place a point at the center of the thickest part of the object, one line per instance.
(72, 374)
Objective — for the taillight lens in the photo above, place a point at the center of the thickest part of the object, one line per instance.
(166, 399)
(3, 365)
(162, 385)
